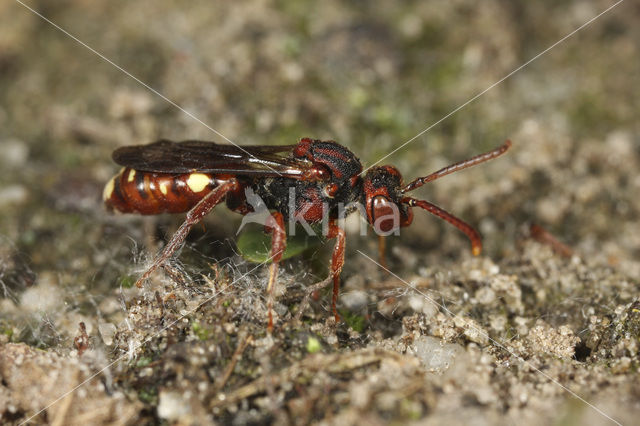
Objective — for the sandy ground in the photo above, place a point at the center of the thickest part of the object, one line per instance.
(543, 327)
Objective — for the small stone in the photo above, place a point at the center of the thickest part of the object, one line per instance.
(560, 342)
(497, 322)
(126, 103)
(421, 304)
(485, 296)
(292, 71)
(107, 331)
(45, 297)
(485, 394)
(13, 152)
(621, 366)
(13, 194)
(435, 355)
(477, 335)
(360, 394)
(354, 300)
(172, 406)
(411, 26)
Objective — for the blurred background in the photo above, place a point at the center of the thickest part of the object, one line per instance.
(370, 75)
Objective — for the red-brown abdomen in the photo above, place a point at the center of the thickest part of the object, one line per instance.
(133, 191)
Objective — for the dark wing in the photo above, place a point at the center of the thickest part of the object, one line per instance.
(166, 156)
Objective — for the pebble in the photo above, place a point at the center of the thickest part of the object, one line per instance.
(13, 153)
(172, 406)
(44, 297)
(485, 295)
(107, 331)
(435, 355)
(13, 194)
(354, 300)
(421, 304)
(127, 103)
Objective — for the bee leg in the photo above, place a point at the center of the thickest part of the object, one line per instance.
(337, 261)
(194, 216)
(275, 226)
(382, 245)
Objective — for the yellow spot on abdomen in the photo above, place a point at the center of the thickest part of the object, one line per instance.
(132, 175)
(108, 189)
(198, 181)
(163, 187)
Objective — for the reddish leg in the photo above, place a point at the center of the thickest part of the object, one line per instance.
(337, 262)
(382, 244)
(474, 236)
(194, 216)
(275, 226)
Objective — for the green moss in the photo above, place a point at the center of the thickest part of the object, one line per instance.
(199, 331)
(357, 97)
(127, 281)
(292, 46)
(589, 112)
(356, 322)
(412, 410)
(143, 362)
(7, 330)
(148, 395)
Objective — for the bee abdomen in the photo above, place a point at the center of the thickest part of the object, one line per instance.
(133, 191)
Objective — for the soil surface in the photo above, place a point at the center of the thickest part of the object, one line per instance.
(542, 328)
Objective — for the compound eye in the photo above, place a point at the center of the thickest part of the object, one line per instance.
(385, 215)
